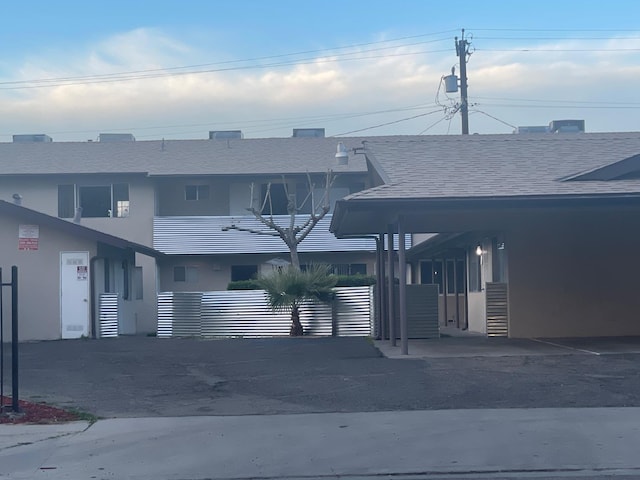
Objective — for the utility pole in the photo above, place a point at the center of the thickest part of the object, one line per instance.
(462, 51)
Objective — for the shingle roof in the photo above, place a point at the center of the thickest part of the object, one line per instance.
(180, 157)
(75, 229)
(497, 165)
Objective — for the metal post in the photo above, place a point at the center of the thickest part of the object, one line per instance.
(14, 340)
(382, 284)
(392, 286)
(378, 297)
(402, 300)
(1, 347)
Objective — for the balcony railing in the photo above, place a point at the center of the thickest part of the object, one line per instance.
(204, 235)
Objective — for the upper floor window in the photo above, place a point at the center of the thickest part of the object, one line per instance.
(196, 192)
(277, 202)
(110, 200)
(185, 274)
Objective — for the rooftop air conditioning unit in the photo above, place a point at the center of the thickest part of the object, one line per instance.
(116, 137)
(561, 126)
(32, 138)
(308, 132)
(225, 134)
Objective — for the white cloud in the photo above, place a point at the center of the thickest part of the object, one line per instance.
(226, 99)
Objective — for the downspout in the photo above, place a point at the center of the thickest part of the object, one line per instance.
(92, 294)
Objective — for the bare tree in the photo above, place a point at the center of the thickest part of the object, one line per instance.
(293, 233)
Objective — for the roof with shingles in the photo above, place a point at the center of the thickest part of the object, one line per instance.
(430, 167)
(181, 157)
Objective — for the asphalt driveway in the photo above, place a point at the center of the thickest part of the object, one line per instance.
(140, 376)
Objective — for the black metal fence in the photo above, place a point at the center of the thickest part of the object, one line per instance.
(13, 286)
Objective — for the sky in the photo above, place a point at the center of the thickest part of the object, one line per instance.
(179, 69)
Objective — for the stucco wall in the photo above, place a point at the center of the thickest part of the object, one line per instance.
(38, 278)
(214, 273)
(477, 312)
(574, 275)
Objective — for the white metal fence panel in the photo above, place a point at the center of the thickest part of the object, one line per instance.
(108, 314)
(245, 313)
(354, 312)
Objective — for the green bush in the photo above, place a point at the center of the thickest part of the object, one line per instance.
(355, 280)
(342, 281)
(244, 285)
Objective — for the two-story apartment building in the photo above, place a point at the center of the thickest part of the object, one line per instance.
(178, 196)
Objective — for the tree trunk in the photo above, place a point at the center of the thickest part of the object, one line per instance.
(295, 260)
(296, 327)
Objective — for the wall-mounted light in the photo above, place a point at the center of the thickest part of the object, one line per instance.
(479, 250)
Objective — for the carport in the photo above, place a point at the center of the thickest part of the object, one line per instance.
(570, 235)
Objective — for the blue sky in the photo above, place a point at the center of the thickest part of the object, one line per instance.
(369, 67)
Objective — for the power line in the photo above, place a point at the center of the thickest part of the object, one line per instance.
(197, 69)
(387, 123)
(547, 50)
(495, 118)
(433, 125)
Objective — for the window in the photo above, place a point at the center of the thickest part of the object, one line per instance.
(66, 201)
(344, 268)
(185, 274)
(196, 192)
(95, 200)
(243, 272)
(475, 271)
(431, 273)
(278, 201)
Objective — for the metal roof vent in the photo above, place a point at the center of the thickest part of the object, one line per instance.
(342, 155)
(225, 134)
(308, 132)
(32, 138)
(116, 137)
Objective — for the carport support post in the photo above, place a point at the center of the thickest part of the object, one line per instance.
(382, 288)
(378, 296)
(392, 284)
(402, 300)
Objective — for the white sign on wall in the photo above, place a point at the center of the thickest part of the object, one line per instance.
(28, 237)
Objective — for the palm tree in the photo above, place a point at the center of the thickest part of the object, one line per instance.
(289, 288)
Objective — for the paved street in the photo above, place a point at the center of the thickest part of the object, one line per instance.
(327, 408)
(142, 377)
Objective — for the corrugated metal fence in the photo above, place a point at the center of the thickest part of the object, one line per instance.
(245, 313)
(497, 310)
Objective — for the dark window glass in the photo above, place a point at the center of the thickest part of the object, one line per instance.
(66, 201)
(277, 202)
(303, 198)
(451, 284)
(179, 274)
(243, 272)
(475, 271)
(95, 201)
(460, 276)
(437, 275)
(358, 269)
(426, 272)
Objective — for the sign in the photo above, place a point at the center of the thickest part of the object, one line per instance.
(82, 272)
(28, 237)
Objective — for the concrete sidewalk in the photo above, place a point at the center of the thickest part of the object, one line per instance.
(416, 444)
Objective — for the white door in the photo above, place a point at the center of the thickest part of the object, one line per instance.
(74, 294)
